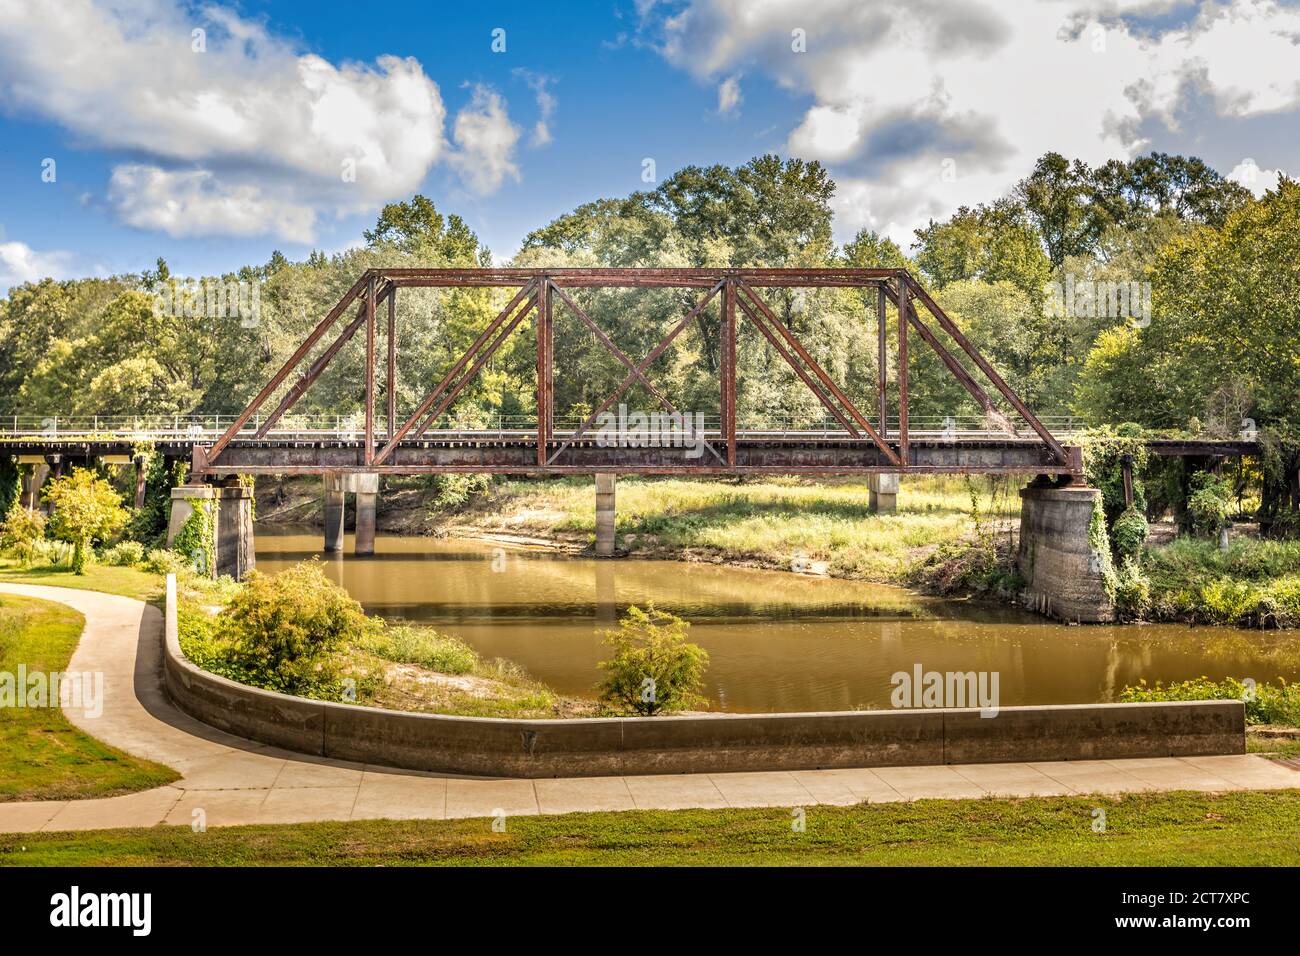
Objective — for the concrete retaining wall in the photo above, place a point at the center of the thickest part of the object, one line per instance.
(648, 745)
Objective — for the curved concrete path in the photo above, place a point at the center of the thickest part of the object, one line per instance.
(235, 781)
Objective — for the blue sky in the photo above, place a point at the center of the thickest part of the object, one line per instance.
(213, 158)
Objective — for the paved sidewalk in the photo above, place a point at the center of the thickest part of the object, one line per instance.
(234, 781)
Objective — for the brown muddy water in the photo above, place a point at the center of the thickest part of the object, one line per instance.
(777, 641)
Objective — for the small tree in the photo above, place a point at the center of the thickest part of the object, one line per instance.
(654, 669)
(21, 531)
(85, 509)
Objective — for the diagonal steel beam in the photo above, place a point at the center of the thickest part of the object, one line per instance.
(301, 386)
(645, 363)
(799, 369)
(423, 407)
(825, 379)
(1007, 392)
(618, 353)
(958, 370)
(478, 364)
(290, 364)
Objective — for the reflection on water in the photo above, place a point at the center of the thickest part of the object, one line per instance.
(777, 642)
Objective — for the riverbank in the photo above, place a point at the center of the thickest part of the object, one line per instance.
(951, 536)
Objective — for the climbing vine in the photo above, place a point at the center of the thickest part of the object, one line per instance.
(197, 539)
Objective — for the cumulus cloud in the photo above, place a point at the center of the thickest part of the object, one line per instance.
(1258, 181)
(485, 142)
(540, 84)
(21, 263)
(228, 128)
(919, 106)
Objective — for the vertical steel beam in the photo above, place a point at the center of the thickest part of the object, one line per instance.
(728, 364)
(544, 369)
(550, 359)
(370, 372)
(390, 387)
(903, 306)
(882, 371)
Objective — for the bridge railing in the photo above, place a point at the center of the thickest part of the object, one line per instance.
(201, 427)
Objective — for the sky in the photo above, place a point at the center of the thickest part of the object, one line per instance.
(214, 133)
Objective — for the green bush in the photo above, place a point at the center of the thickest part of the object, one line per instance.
(22, 533)
(654, 669)
(162, 561)
(1265, 703)
(1132, 588)
(452, 491)
(125, 554)
(283, 629)
(1128, 534)
(1208, 504)
(404, 644)
(84, 509)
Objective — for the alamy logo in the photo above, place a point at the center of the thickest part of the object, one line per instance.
(83, 690)
(1088, 299)
(210, 299)
(922, 688)
(74, 908)
(653, 430)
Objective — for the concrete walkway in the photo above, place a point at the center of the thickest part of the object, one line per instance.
(234, 781)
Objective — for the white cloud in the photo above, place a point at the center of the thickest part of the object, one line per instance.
(1258, 181)
(485, 142)
(21, 263)
(898, 87)
(249, 122)
(729, 97)
(540, 84)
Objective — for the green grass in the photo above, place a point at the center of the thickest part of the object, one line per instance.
(127, 582)
(769, 522)
(44, 756)
(1253, 584)
(1168, 829)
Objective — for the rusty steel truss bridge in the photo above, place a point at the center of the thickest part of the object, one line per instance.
(260, 440)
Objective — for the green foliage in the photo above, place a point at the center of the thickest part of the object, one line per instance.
(162, 561)
(282, 630)
(1207, 505)
(1132, 588)
(1252, 584)
(84, 510)
(10, 483)
(1128, 534)
(149, 523)
(125, 554)
(197, 538)
(654, 669)
(21, 533)
(1104, 450)
(454, 490)
(405, 644)
(1265, 703)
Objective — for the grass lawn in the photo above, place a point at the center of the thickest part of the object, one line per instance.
(128, 582)
(1170, 829)
(44, 757)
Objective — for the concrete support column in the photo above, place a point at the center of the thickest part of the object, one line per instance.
(1064, 576)
(184, 500)
(31, 493)
(604, 515)
(141, 480)
(883, 493)
(366, 488)
(334, 503)
(234, 545)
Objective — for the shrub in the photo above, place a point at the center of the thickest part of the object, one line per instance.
(1265, 703)
(125, 554)
(283, 628)
(451, 490)
(21, 533)
(1132, 589)
(85, 509)
(162, 561)
(1128, 534)
(654, 669)
(1207, 505)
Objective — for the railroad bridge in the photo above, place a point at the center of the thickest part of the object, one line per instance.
(876, 439)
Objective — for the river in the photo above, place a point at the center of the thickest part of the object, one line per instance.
(777, 641)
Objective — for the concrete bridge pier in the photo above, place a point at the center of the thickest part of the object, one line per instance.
(234, 545)
(1065, 577)
(882, 493)
(33, 480)
(604, 515)
(337, 487)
